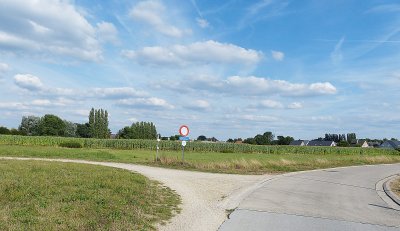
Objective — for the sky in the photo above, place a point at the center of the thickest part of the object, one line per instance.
(227, 69)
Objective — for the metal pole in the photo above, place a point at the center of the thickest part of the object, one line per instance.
(183, 155)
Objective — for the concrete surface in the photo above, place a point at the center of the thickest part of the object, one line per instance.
(333, 199)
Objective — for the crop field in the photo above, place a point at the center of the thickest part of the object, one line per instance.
(125, 144)
(37, 195)
(209, 157)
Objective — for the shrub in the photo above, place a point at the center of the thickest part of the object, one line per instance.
(71, 145)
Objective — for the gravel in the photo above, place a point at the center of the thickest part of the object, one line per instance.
(206, 197)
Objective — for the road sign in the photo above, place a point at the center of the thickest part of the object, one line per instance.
(185, 138)
(183, 143)
(184, 130)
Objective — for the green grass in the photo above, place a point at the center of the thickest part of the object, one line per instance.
(242, 163)
(37, 195)
(395, 186)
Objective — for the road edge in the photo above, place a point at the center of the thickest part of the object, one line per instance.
(388, 189)
(383, 192)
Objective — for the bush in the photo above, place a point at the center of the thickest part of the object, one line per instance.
(71, 145)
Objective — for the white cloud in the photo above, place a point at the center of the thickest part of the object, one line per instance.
(4, 67)
(295, 105)
(322, 118)
(107, 32)
(278, 55)
(28, 82)
(336, 55)
(258, 118)
(199, 52)
(152, 12)
(199, 105)
(49, 27)
(254, 86)
(115, 93)
(151, 102)
(271, 104)
(202, 23)
(251, 86)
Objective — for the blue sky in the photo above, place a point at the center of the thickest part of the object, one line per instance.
(225, 68)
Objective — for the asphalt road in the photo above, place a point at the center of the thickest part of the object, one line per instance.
(336, 199)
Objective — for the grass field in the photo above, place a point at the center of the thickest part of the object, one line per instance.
(395, 186)
(38, 195)
(242, 163)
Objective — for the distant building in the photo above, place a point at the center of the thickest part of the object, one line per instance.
(360, 143)
(322, 143)
(299, 142)
(390, 144)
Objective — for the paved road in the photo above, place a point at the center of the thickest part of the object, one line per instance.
(335, 199)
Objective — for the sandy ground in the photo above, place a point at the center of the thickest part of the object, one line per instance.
(205, 196)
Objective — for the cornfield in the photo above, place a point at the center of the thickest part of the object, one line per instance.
(129, 144)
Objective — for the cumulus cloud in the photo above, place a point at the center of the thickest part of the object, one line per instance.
(50, 27)
(295, 105)
(152, 12)
(28, 82)
(195, 53)
(254, 86)
(199, 105)
(270, 104)
(151, 102)
(107, 32)
(202, 23)
(278, 55)
(34, 84)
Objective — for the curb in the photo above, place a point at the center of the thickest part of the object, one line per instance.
(388, 190)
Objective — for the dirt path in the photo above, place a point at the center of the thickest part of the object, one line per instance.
(205, 196)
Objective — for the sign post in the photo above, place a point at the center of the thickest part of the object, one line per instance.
(184, 131)
(158, 147)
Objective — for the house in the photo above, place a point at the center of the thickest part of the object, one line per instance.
(322, 143)
(392, 144)
(299, 143)
(360, 143)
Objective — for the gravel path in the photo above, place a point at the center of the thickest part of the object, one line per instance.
(205, 196)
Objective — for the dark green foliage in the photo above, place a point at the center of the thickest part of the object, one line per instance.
(343, 143)
(284, 140)
(5, 131)
(51, 125)
(71, 144)
(249, 141)
(175, 137)
(98, 123)
(83, 130)
(351, 138)
(139, 130)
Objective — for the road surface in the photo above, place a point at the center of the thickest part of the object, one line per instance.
(347, 198)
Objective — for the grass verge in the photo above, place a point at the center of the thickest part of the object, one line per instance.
(240, 163)
(38, 195)
(395, 186)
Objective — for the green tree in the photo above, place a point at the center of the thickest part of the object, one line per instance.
(70, 129)
(284, 140)
(83, 130)
(5, 131)
(29, 125)
(98, 123)
(51, 125)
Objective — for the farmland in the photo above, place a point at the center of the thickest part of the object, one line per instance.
(210, 157)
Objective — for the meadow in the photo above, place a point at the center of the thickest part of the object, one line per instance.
(37, 195)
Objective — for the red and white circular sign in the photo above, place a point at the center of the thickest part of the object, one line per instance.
(184, 130)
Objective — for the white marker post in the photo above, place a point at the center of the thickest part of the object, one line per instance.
(184, 131)
(158, 147)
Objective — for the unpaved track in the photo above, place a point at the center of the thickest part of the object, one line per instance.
(205, 196)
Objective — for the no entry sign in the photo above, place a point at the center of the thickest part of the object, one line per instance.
(184, 130)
